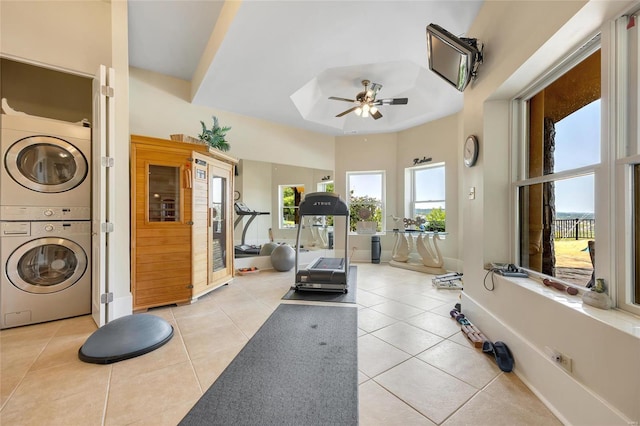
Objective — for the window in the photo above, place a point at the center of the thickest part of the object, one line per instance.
(428, 195)
(560, 153)
(571, 185)
(626, 160)
(289, 200)
(164, 193)
(366, 201)
(325, 186)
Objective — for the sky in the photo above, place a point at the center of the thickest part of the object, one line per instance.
(363, 184)
(577, 145)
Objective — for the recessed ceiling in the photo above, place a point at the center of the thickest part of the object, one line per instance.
(281, 60)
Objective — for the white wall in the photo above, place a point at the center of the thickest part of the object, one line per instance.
(160, 107)
(522, 40)
(368, 153)
(70, 35)
(394, 152)
(439, 140)
(254, 184)
(119, 276)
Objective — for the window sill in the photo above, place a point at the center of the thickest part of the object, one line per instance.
(618, 319)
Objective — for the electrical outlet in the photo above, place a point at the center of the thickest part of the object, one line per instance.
(559, 358)
(566, 362)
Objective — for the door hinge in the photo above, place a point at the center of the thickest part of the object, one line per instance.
(108, 161)
(106, 227)
(190, 286)
(190, 222)
(106, 298)
(106, 91)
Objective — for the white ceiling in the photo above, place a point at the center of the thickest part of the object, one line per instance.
(281, 60)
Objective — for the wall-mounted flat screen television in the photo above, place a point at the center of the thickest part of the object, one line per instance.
(452, 58)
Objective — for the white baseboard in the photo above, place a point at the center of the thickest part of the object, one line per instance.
(567, 398)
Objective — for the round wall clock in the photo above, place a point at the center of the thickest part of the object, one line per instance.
(470, 154)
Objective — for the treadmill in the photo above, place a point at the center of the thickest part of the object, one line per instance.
(245, 250)
(324, 273)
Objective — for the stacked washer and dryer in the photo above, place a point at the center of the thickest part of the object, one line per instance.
(45, 220)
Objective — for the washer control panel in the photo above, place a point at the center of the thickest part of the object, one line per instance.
(44, 213)
(15, 229)
(41, 229)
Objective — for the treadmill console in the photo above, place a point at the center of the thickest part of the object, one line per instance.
(241, 208)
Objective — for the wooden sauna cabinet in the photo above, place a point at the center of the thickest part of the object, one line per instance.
(181, 221)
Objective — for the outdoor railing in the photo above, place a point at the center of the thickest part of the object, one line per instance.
(574, 228)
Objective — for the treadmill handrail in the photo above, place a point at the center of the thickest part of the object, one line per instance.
(241, 215)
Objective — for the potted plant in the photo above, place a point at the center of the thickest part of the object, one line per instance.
(215, 136)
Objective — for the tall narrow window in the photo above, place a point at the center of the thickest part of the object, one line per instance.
(366, 201)
(627, 167)
(635, 290)
(428, 196)
(290, 198)
(556, 196)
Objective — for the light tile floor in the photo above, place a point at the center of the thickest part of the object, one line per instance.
(415, 366)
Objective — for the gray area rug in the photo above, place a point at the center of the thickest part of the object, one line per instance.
(325, 296)
(300, 368)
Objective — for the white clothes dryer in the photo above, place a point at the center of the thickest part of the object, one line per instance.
(46, 164)
(46, 271)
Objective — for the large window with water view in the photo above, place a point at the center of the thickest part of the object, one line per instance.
(556, 195)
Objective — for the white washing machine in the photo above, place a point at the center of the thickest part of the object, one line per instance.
(46, 271)
(46, 166)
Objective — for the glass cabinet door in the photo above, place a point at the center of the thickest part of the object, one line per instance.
(164, 193)
(220, 240)
(219, 235)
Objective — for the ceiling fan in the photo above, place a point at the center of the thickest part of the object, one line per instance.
(366, 103)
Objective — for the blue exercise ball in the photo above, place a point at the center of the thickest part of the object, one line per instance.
(267, 249)
(283, 258)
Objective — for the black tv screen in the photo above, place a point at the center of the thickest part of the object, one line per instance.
(452, 58)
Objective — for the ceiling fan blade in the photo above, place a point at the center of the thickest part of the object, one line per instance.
(375, 115)
(394, 101)
(341, 99)
(346, 112)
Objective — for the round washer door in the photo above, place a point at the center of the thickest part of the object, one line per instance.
(46, 265)
(46, 164)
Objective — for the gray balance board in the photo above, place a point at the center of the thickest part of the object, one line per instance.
(124, 338)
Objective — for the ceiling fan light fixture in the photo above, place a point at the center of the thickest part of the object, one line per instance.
(365, 104)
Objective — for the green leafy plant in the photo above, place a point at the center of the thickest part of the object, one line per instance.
(356, 204)
(436, 220)
(215, 136)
